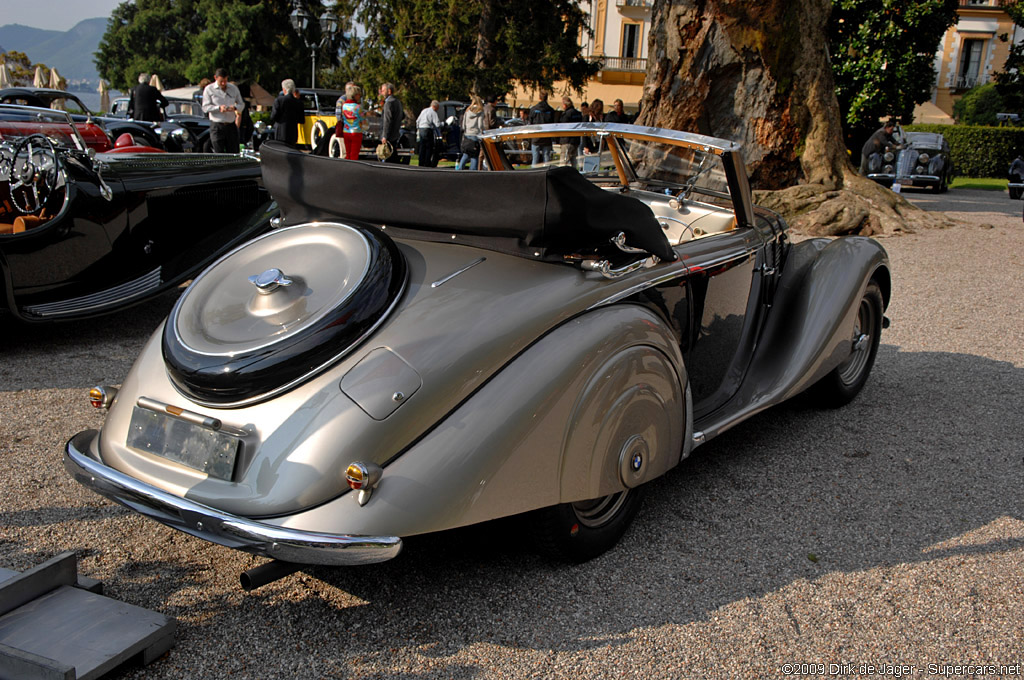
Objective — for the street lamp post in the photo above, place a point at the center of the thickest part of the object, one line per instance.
(301, 19)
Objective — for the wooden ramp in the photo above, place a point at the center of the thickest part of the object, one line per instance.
(57, 625)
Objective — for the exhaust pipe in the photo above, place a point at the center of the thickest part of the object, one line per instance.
(267, 573)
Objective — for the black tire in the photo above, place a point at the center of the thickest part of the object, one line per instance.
(846, 380)
(1015, 194)
(577, 532)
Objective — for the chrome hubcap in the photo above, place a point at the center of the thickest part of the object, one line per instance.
(600, 511)
(863, 332)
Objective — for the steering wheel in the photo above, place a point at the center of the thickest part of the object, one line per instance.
(36, 172)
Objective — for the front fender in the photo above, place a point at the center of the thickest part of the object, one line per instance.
(548, 428)
(808, 331)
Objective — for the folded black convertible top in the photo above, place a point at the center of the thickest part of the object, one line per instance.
(546, 212)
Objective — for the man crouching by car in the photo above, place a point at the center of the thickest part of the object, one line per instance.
(876, 143)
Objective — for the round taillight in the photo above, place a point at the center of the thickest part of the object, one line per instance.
(102, 396)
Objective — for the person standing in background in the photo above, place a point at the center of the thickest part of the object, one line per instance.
(146, 102)
(221, 101)
(391, 121)
(351, 122)
(428, 126)
(287, 114)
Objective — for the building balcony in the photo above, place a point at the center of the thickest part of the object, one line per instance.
(646, 4)
(967, 82)
(621, 63)
(995, 5)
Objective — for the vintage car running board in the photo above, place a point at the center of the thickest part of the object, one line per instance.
(96, 302)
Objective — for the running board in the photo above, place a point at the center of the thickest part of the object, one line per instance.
(98, 302)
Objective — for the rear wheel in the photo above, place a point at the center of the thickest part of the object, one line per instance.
(319, 133)
(1015, 194)
(336, 147)
(846, 380)
(577, 532)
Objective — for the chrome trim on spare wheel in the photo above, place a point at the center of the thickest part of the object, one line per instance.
(240, 533)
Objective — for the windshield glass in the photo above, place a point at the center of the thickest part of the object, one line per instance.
(657, 164)
(649, 162)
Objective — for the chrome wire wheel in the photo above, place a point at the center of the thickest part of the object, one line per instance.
(863, 331)
(599, 511)
(846, 380)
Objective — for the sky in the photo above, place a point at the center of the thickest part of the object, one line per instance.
(55, 15)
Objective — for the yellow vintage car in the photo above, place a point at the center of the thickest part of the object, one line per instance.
(320, 120)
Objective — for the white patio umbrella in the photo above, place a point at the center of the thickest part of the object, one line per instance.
(155, 82)
(104, 97)
(38, 80)
(57, 83)
(5, 76)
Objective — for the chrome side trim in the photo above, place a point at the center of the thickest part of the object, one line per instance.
(446, 279)
(97, 301)
(258, 538)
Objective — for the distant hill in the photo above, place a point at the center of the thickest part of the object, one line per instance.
(70, 52)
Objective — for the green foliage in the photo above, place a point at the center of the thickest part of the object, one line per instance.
(979, 106)
(883, 54)
(21, 70)
(979, 151)
(1010, 81)
(186, 40)
(441, 49)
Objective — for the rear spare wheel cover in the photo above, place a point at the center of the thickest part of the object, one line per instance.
(278, 310)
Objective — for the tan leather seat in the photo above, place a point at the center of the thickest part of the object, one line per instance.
(23, 223)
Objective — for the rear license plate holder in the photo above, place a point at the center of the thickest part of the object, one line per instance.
(191, 445)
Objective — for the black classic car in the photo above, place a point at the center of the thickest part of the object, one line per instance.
(166, 135)
(85, 233)
(1015, 177)
(919, 159)
(543, 346)
(185, 112)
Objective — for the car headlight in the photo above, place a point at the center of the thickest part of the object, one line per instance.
(919, 170)
(888, 157)
(923, 158)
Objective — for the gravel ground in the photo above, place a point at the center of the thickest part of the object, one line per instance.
(887, 532)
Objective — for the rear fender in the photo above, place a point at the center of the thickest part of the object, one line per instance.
(604, 382)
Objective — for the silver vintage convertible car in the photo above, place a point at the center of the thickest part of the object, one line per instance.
(420, 349)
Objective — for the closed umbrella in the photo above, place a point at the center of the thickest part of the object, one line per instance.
(104, 97)
(155, 82)
(38, 80)
(5, 76)
(57, 83)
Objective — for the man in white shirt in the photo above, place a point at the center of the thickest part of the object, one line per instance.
(428, 125)
(223, 103)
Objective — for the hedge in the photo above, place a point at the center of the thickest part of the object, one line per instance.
(978, 150)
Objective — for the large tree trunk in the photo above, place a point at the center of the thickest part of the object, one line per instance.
(759, 73)
(484, 57)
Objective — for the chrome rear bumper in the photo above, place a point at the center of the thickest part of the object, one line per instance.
(290, 545)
